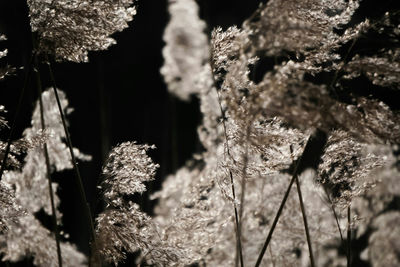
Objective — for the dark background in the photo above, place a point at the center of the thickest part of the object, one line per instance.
(118, 96)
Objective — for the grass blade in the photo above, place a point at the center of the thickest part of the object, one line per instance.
(48, 169)
(78, 178)
(334, 214)
(239, 252)
(348, 236)
(310, 156)
(275, 222)
(303, 212)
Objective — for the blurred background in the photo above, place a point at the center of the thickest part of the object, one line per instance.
(118, 96)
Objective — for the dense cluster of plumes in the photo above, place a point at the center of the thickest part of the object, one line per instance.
(26, 236)
(380, 66)
(21, 231)
(10, 210)
(21, 147)
(262, 94)
(127, 167)
(33, 193)
(122, 227)
(70, 29)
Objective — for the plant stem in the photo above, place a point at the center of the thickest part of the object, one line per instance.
(348, 236)
(298, 167)
(16, 115)
(237, 226)
(278, 214)
(337, 223)
(244, 174)
(48, 169)
(243, 183)
(78, 178)
(237, 221)
(303, 212)
(345, 59)
(239, 252)
(334, 214)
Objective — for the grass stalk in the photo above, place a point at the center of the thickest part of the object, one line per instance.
(77, 176)
(239, 251)
(338, 225)
(239, 255)
(243, 182)
(48, 169)
(334, 214)
(297, 168)
(348, 236)
(244, 174)
(336, 75)
(303, 212)
(275, 222)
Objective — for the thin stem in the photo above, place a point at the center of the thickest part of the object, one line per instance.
(282, 205)
(348, 236)
(244, 174)
(334, 214)
(237, 223)
(242, 195)
(78, 178)
(243, 183)
(16, 115)
(337, 223)
(332, 84)
(48, 169)
(278, 214)
(239, 253)
(303, 212)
